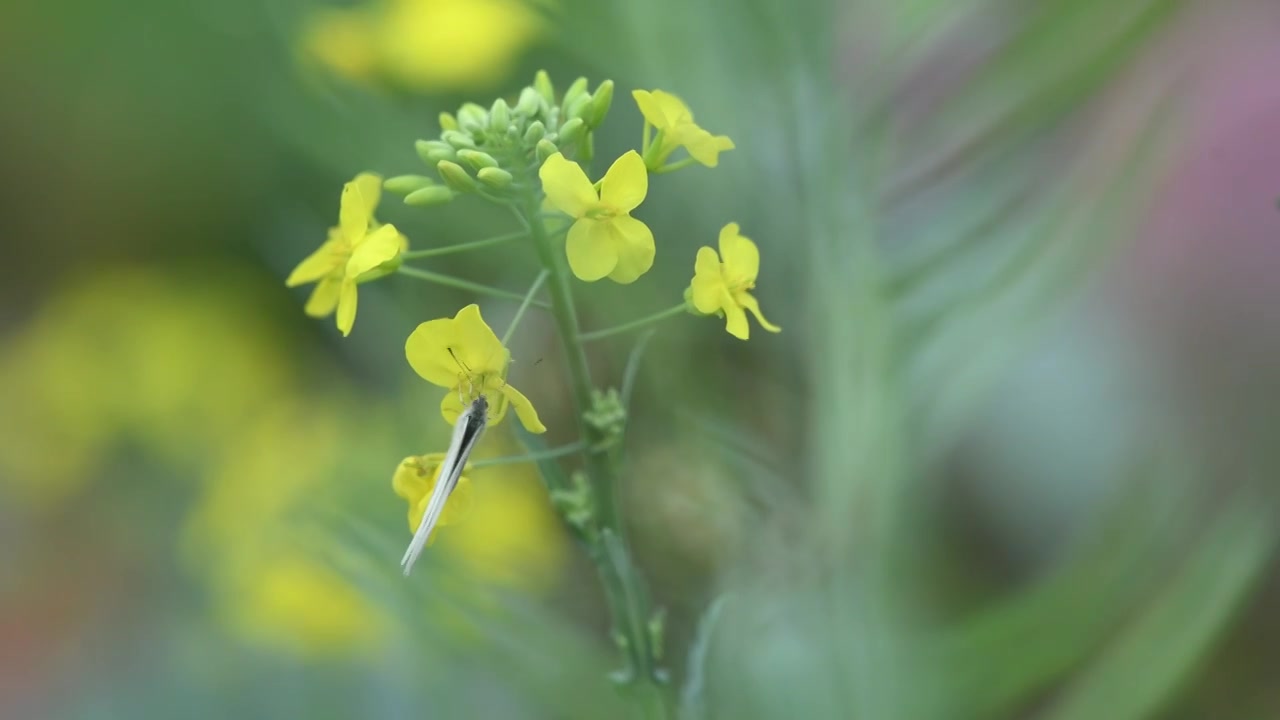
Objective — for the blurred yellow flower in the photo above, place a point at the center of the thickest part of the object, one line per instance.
(463, 355)
(721, 287)
(358, 249)
(604, 241)
(416, 477)
(676, 128)
(423, 44)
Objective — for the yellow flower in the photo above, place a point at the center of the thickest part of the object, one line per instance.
(423, 44)
(414, 480)
(604, 241)
(358, 249)
(721, 287)
(676, 128)
(463, 355)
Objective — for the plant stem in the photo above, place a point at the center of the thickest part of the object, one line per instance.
(634, 324)
(524, 305)
(548, 454)
(628, 604)
(463, 247)
(677, 165)
(450, 281)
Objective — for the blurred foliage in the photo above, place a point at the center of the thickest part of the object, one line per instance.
(195, 492)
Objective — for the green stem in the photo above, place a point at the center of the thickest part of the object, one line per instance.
(548, 454)
(453, 282)
(464, 247)
(628, 606)
(677, 165)
(634, 324)
(524, 305)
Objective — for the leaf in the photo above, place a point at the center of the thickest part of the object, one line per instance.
(693, 696)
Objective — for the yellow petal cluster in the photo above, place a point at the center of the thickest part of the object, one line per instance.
(604, 240)
(721, 282)
(463, 355)
(358, 249)
(676, 129)
(415, 479)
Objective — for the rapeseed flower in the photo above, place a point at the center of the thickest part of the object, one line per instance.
(358, 249)
(414, 480)
(674, 122)
(604, 240)
(721, 282)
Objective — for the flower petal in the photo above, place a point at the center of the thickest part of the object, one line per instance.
(346, 306)
(327, 258)
(410, 480)
(458, 503)
(741, 256)
(426, 353)
(524, 410)
(634, 242)
(735, 319)
(380, 246)
(747, 301)
(708, 284)
(703, 146)
(324, 298)
(452, 405)
(476, 346)
(661, 109)
(591, 251)
(359, 198)
(626, 183)
(567, 187)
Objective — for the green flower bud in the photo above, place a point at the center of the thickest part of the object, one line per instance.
(535, 132)
(576, 90)
(448, 121)
(477, 159)
(499, 116)
(494, 177)
(529, 102)
(578, 107)
(553, 117)
(405, 184)
(433, 151)
(455, 177)
(587, 148)
(472, 117)
(542, 83)
(458, 139)
(428, 196)
(571, 131)
(545, 149)
(600, 102)
(513, 133)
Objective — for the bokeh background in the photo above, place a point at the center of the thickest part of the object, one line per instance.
(1013, 455)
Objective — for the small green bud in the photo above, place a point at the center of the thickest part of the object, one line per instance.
(433, 151)
(477, 159)
(656, 629)
(499, 116)
(578, 107)
(571, 131)
(513, 133)
(494, 177)
(448, 121)
(600, 102)
(428, 196)
(458, 139)
(587, 147)
(542, 83)
(455, 177)
(535, 132)
(545, 149)
(576, 90)
(553, 117)
(472, 117)
(529, 102)
(405, 184)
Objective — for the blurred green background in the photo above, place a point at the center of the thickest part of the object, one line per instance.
(1013, 455)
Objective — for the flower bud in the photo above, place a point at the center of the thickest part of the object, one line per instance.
(477, 159)
(587, 148)
(535, 133)
(542, 83)
(529, 102)
(405, 184)
(428, 196)
(499, 116)
(455, 177)
(553, 117)
(458, 139)
(600, 102)
(433, 151)
(494, 177)
(546, 149)
(571, 131)
(472, 117)
(448, 121)
(578, 107)
(576, 90)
